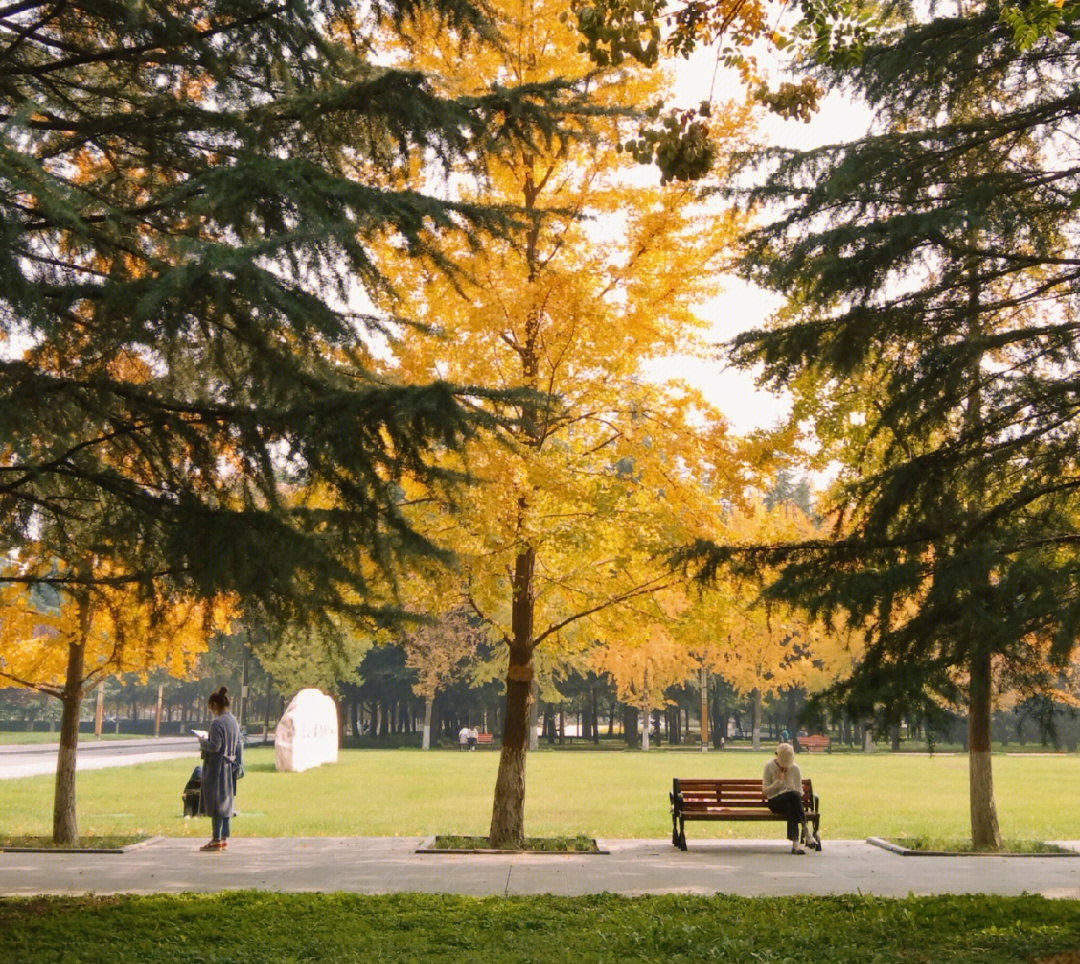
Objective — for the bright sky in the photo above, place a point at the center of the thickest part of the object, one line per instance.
(743, 306)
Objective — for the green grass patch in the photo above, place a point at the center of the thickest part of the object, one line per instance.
(33, 737)
(108, 842)
(542, 845)
(236, 928)
(603, 794)
(965, 846)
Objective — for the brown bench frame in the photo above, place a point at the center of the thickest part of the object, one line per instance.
(690, 800)
(485, 739)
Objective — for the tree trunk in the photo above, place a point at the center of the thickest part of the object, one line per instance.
(630, 725)
(508, 809)
(65, 821)
(755, 728)
(985, 834)
(534, 714)
(646, 722)
(426, 743)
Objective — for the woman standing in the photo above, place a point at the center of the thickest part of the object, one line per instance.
(222, 759)
(782, 786)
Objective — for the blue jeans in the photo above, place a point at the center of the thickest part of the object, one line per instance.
(221, 827)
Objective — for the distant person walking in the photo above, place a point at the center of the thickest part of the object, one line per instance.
(223, 755)
(473, 737)
(463, 737)
(781, 784)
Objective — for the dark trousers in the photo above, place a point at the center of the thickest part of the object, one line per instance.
(221, 827)
(789, 803)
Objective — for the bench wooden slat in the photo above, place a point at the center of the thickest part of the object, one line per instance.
(734, 799)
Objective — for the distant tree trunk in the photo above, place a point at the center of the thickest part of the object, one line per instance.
(426, 742)
(985, 834)
(534, 715)
(595, 713)
(645, 726)
(65, 820)
(894, 733)
(755, 731)
(630, 725)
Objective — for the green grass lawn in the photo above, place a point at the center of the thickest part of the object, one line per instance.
(29, 738)
(599, 794)
(256, 927)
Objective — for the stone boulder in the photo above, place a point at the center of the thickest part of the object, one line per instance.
(307, 735)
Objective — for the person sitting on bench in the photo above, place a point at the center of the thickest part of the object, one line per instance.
(782, 786)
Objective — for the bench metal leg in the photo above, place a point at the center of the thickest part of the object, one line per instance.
(682, 834)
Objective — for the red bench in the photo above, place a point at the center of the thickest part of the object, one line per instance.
(814, 743)
(727, 800)
(484, 739)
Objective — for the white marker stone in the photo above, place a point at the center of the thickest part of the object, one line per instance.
(307, 735)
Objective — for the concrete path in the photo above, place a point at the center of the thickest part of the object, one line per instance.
(37, 758)
(375, 865)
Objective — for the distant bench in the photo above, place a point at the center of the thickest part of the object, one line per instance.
(484, 739)
(727, 800)
(814, 743)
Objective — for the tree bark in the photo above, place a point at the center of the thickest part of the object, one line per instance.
(985, 834)
(65, 820)
(534, 714)
(755, 727)
(508, 809)
(426, 744)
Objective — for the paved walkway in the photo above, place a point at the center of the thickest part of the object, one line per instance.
(375, 865)
(35, 759)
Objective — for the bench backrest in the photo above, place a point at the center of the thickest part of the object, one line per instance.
(729, 794)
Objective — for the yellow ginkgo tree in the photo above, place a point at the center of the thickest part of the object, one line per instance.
(598, 470)
(62, 637)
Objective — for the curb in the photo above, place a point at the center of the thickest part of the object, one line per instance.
(428, 847)
(63, 851)
(906, 852)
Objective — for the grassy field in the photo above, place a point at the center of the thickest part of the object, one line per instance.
(604, 794)
(30, 738)
(249, 927)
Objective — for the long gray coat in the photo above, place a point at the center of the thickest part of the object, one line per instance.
(222, 755)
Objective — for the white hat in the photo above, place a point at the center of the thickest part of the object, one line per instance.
(785, 755)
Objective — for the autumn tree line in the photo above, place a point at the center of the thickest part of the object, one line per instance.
(336, 325)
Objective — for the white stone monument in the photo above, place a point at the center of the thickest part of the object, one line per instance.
(307, 734)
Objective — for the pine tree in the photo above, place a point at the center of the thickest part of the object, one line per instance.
(931, 341)
(190, 200)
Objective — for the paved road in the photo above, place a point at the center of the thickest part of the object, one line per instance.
(377, 865)
(35, 759)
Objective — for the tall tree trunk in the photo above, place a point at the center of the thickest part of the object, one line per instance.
(755, 731)
(985, 834)
(426, 743)
(65, 820)
(508, 809)
(646, 723)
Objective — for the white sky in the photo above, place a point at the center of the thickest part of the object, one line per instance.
(743, 306)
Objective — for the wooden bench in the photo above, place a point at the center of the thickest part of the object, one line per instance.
(814, 743)
(484, 739)
(727, 800)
